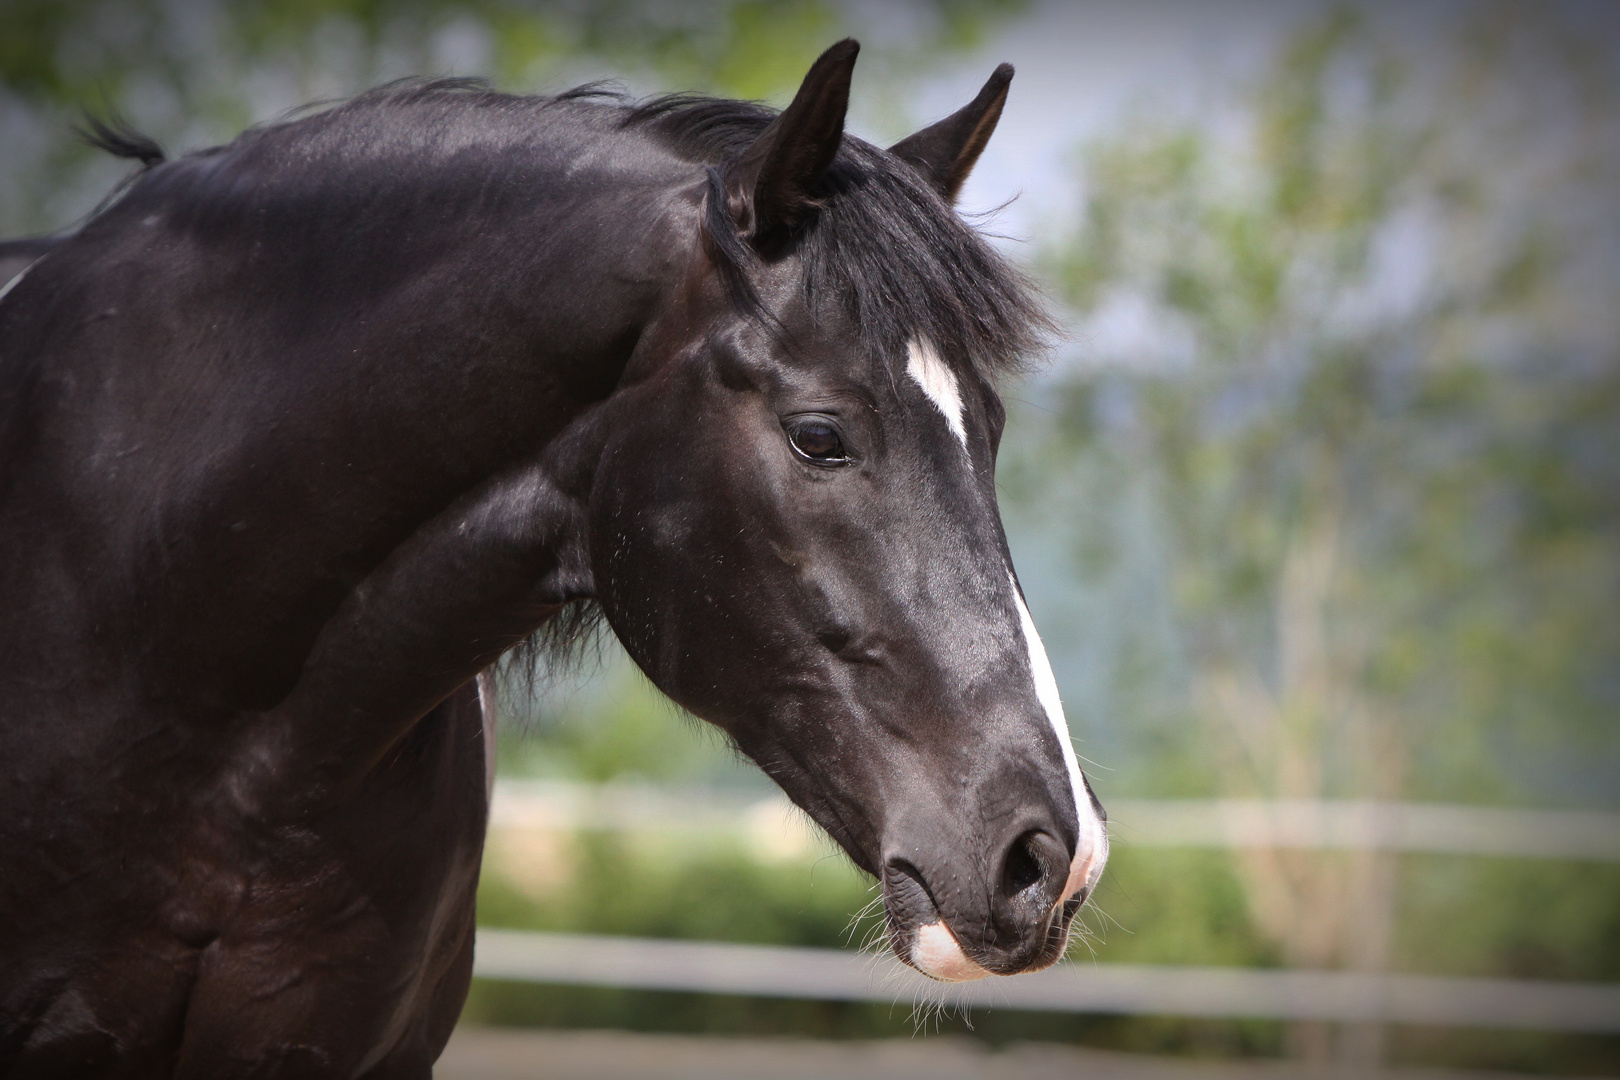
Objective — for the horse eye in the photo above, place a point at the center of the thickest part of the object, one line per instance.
(818, 440)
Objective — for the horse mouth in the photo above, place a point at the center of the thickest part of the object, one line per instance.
(936, 953)
(922, 938)
(934, 949)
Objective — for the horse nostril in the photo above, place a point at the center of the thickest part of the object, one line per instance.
(1023, 866)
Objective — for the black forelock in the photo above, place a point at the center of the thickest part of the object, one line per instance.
(883, 244)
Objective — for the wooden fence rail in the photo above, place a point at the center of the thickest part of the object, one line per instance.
(709, 967)
(1430, 828)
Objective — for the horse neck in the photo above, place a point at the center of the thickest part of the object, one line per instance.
(292, 396)
(470, 305)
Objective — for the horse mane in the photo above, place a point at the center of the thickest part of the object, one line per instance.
(883, 244)
(115, 135)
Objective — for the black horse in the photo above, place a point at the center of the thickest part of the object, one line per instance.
(305, 432)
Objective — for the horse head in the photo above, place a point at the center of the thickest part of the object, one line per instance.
(794, 530)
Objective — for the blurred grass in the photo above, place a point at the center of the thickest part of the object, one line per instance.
(1463, 916)
(1458, 916)
(1514, 918)
(711, 892)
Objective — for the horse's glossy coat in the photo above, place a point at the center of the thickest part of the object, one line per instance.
(303, 433)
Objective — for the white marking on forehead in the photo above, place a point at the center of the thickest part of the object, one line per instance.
(1093, 841)
(938, 382)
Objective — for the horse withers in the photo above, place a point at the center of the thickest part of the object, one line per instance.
(303, 433)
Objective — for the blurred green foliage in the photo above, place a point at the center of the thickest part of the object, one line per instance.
(1459, 916)
(701, 891)
(68, 49)
(1364, 423)
(590, 1007)
(194, 72)
(613, 724)
(1337, 470)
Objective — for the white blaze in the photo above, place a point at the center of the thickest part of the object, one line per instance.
(1092, 847)
(934, 949)
(938, 382)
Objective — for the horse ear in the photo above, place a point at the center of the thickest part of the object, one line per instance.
(772, 185)
(946, 152)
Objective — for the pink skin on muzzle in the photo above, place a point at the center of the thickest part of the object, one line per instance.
(934, 949)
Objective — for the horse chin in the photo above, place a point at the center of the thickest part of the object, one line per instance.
(936, 953)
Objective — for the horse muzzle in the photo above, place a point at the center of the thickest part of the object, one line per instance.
(956, 926)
